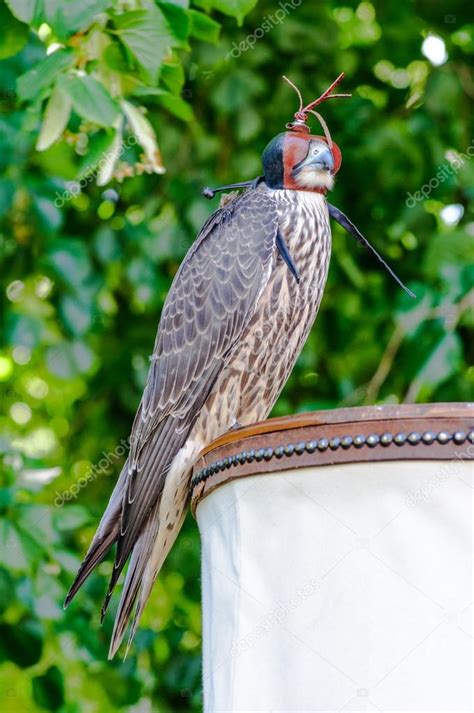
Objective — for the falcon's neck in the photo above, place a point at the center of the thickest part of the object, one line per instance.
(300, 209)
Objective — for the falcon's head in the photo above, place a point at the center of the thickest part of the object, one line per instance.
(300, 161)
(296, 159)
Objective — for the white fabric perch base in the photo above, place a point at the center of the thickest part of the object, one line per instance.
(339, 588)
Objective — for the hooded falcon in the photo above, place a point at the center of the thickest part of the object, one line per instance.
(234, 322)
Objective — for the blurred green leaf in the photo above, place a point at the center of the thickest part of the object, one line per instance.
(144, 134)
(77, 314)
(48, 689)
(98, 149)
(43, 74)
(12, 551)
(67, 17)
(443, 361)
(234, 8)
(24, 329)
(7, 590)
(34, 523)
(23, 642)
(55, 119)
(26, 10)
(175, 104)
(172, 75)
(14, 33)
(145, 33)
(70, 517)
(178, 21)
(68, 359)
(122, 692)
(89, 99)
(204, 27)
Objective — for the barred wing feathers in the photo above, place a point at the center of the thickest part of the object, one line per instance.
(212, 298)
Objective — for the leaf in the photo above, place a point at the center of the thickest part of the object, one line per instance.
(115, 57)
(203, 27)
(76, 314)
(145, 33)
(90, 99)
(68, 561)
(110, 158)
(66, 360)
(7, 190)
(24, 329)
(48, 689)
(68, 16)
(7, 497)
(32, 82)
(26, 10)
(443, 361)
(145, 135)
(23, 642)
(50, 218)
(12, 552)
(96, 156)
(234, 8)
(235, 90)
(14, 33)
(70, 517)
(106, 245)
(140, 272)
(34, 522)
(60, 160)
(7, 590)
(123, 692)
(56, 117)
(175, 104)
(172, 75)
(178, 21)
(443, 251)
(70, 260)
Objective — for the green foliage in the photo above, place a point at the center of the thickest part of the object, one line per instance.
(91, 235)
(14, 33)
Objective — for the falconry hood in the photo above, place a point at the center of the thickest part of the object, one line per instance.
(288, 154)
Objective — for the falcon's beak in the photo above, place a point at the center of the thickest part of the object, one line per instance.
(322, 161)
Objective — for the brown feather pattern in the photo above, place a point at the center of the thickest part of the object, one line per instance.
(210, 301)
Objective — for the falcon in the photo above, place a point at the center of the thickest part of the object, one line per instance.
(236, 317)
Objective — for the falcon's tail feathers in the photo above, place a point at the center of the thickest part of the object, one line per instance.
(133, 581)
(106, 535)
(153, 545)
